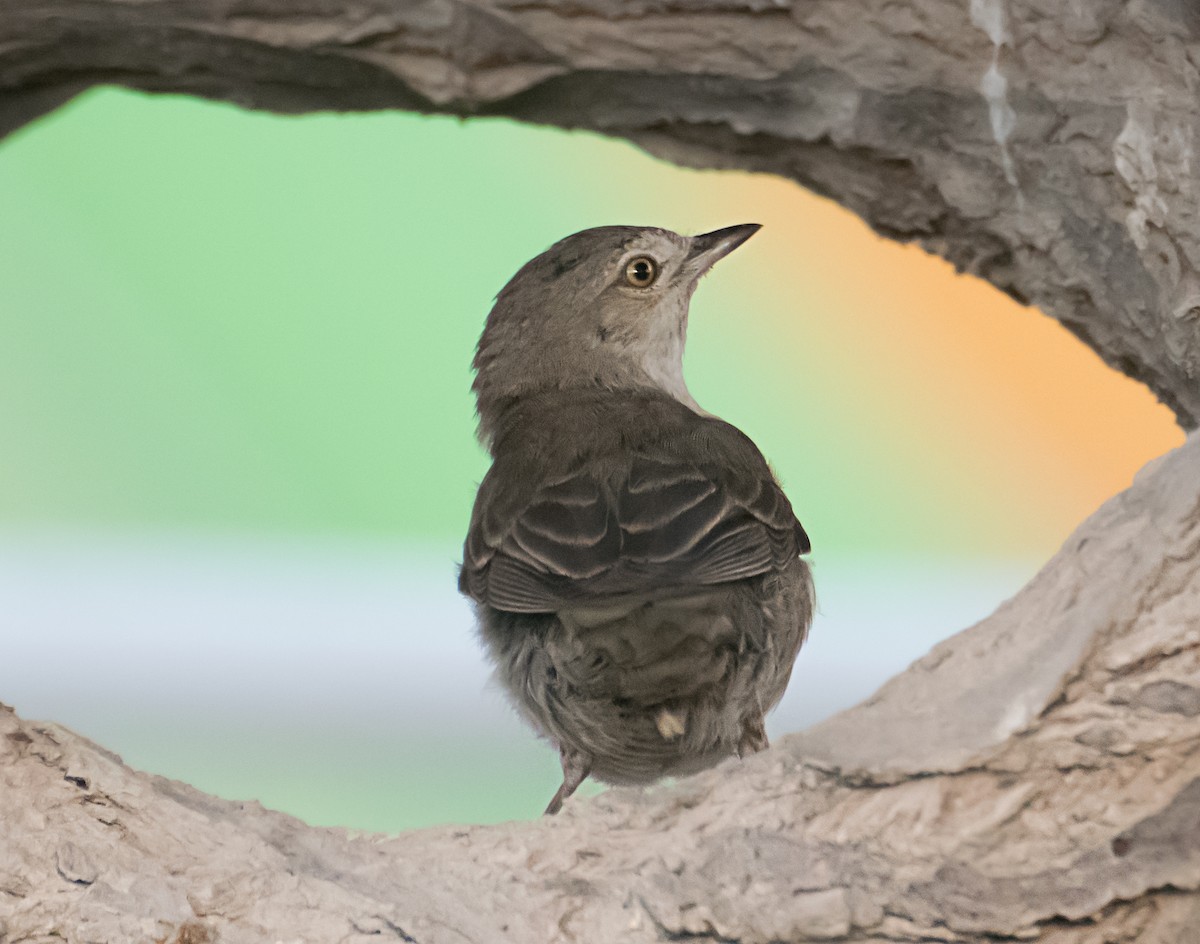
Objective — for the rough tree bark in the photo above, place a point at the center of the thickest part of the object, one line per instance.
(1036, 777)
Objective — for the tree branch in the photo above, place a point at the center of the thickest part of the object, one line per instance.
(968, 801)
(1049, 150)
(1036, 777)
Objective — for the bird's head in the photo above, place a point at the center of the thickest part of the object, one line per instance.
(604, 307)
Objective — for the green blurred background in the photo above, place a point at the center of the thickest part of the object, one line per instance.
(238, 449)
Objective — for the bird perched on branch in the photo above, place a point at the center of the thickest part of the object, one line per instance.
(635, 566)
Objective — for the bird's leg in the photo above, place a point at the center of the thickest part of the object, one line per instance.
(754, 735)
(575, 766)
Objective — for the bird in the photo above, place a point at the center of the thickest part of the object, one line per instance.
(637, 572)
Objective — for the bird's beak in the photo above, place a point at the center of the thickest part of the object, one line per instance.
(707, 249)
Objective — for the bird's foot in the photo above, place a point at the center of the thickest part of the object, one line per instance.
(754, 736)
(576, 767)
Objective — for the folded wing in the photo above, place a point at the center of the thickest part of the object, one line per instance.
(670, 523)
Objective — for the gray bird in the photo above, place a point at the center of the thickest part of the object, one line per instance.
(635, 566)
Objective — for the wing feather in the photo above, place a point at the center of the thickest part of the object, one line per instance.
(666, 522)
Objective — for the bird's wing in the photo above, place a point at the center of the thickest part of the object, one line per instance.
(668, 523)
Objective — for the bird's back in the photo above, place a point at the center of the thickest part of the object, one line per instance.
(644, 599)
(596, 493)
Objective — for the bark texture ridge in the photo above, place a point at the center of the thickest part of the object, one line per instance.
(1048, 147)
(1060, 805)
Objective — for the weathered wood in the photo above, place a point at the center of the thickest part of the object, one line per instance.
(1036, 777)
(1048, 147)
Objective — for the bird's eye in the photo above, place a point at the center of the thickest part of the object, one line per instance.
(641, 272)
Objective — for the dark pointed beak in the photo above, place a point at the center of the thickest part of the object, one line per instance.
(708, 248)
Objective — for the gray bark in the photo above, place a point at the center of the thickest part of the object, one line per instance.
(1045, 146)
(1036, 777)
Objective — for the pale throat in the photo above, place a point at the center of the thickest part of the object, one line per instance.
(663, 364)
